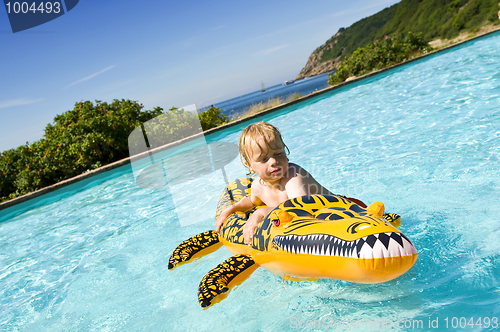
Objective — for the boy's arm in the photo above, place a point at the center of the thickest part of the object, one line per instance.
(244, 205)
(252, 222)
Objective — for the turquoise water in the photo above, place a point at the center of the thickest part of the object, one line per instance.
(423, 138)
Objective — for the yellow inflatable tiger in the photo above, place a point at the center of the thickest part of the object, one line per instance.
(305, 238)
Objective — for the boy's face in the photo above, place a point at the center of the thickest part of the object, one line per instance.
(270, 163)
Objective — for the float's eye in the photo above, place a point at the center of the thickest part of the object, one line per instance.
(276, 222)
(358, 226)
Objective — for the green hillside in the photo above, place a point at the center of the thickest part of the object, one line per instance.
(435, 19)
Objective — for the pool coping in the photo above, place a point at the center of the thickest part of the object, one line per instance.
(128, 160)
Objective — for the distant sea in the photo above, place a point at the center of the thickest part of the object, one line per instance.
(236, 106)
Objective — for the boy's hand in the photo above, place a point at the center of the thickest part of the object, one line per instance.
(252, 222)
(243, 205)
(250, 227)
(220, 220)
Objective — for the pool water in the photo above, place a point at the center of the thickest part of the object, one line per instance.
(423, 138)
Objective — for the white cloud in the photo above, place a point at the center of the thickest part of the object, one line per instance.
(271, 50)
(90, 76)
(19, 102)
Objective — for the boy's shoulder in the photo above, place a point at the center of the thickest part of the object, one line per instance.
(257, 191)
(256, 186)
(295, 169)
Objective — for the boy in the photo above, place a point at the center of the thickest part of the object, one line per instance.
(263, 152)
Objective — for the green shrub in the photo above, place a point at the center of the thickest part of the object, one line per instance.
(90, 136)
(212, 117)
(173, 125)
(81, 139)
(380, 54)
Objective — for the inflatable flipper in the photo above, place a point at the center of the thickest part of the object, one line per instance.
(194, 247)
(393, 219)
(216, 284)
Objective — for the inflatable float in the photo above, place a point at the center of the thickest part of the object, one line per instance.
(305, 238)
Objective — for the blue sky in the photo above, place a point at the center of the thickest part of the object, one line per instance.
(160, 53)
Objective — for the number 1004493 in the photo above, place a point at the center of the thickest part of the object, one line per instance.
(462, 322)
(26, 7)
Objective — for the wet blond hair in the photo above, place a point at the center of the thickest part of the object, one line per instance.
(269, 134)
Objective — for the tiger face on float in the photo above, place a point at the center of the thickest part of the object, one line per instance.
(323, 234)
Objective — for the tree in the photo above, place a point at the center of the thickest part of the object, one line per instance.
(92, 135)
(87, 137)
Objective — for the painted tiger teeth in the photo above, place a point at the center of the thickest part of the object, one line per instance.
(371, 246)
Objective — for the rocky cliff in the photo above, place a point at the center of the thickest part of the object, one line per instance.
(316, 66)
(436, 19)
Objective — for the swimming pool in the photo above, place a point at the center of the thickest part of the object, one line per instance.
(422, 138)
